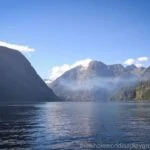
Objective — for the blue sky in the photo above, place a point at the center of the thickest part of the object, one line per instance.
(65, 31)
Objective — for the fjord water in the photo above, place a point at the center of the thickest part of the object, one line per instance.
(73, 125)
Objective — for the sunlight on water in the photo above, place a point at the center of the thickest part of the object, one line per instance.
(72, 125)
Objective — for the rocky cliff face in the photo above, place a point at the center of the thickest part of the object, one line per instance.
(19, 82)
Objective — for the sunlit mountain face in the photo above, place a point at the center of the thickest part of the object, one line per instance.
(97, 82)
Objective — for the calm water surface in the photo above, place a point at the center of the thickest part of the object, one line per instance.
(63, 125)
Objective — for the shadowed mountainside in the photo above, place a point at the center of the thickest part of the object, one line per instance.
(19, 82)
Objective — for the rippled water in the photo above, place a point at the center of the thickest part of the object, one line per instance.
(73, 125)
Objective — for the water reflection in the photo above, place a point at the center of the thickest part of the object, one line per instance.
(16, 126)
(69, 125)
(136, 122)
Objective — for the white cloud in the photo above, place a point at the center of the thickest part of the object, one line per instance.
(142, 59)
(20, 48)
(57, 71)
(139, 62)
(138, 65)
(129, 61)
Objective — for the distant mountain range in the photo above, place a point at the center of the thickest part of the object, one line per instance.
(19, 82)
(96, 81)
(101, 82)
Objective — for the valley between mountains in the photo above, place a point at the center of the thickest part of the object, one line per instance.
(96, 81)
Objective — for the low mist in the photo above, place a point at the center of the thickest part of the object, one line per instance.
(109, 84)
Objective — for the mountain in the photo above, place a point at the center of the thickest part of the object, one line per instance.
(95, 82)
(135, 70)
(143, 88)
(19, 82)
(146, 74)
(140, 90)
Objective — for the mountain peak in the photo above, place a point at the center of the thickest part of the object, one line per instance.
(85, 63)
(131, 67)
(96, 64)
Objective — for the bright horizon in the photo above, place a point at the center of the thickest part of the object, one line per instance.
(53, 33)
